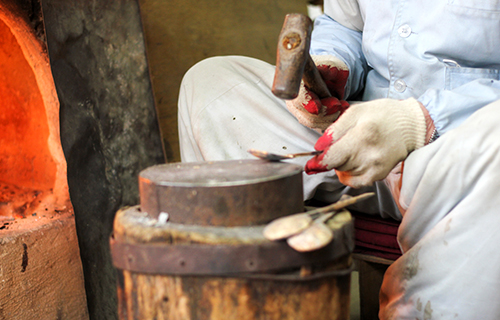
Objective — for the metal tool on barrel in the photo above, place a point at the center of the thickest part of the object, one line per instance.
(308, 231)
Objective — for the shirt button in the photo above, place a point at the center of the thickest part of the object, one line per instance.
(400, 85)
(404, 31)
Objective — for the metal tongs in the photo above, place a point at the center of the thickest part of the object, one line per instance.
(308, 231)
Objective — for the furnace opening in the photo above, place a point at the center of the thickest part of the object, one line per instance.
(32, 168)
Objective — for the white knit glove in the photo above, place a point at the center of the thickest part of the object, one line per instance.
(370, 139)
(316, 113)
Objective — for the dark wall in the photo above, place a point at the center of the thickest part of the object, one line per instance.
(109, 126)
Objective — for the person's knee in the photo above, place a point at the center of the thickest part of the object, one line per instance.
(199, 84)
(202, 69)
(211, 69)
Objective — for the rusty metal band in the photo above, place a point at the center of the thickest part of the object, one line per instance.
(218, 260)
(297, 277)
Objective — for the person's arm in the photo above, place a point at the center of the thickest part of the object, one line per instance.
(336, 50)
(449, 108)
(329, 37)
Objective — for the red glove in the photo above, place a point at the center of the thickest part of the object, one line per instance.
(316, 113)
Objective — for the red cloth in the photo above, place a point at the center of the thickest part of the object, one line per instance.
(376, 236)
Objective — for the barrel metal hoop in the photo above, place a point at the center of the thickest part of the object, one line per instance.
(245, 260)
(297, 277)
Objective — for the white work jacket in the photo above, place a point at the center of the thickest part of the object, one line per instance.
(444, 53)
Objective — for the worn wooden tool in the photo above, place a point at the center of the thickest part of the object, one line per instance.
(291, 225)
(203, 262)
(181, 271)
(293, 62)
(264, 155)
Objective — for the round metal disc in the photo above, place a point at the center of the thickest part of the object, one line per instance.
(222, 193)
(219, 173)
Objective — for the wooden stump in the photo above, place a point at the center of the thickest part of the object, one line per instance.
(178, 272)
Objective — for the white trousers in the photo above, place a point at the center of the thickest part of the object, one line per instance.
(450, 268)
(449, 234)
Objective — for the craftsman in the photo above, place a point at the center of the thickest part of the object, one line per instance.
(428, 75)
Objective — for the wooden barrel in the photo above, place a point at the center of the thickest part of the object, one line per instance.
(178, 271)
